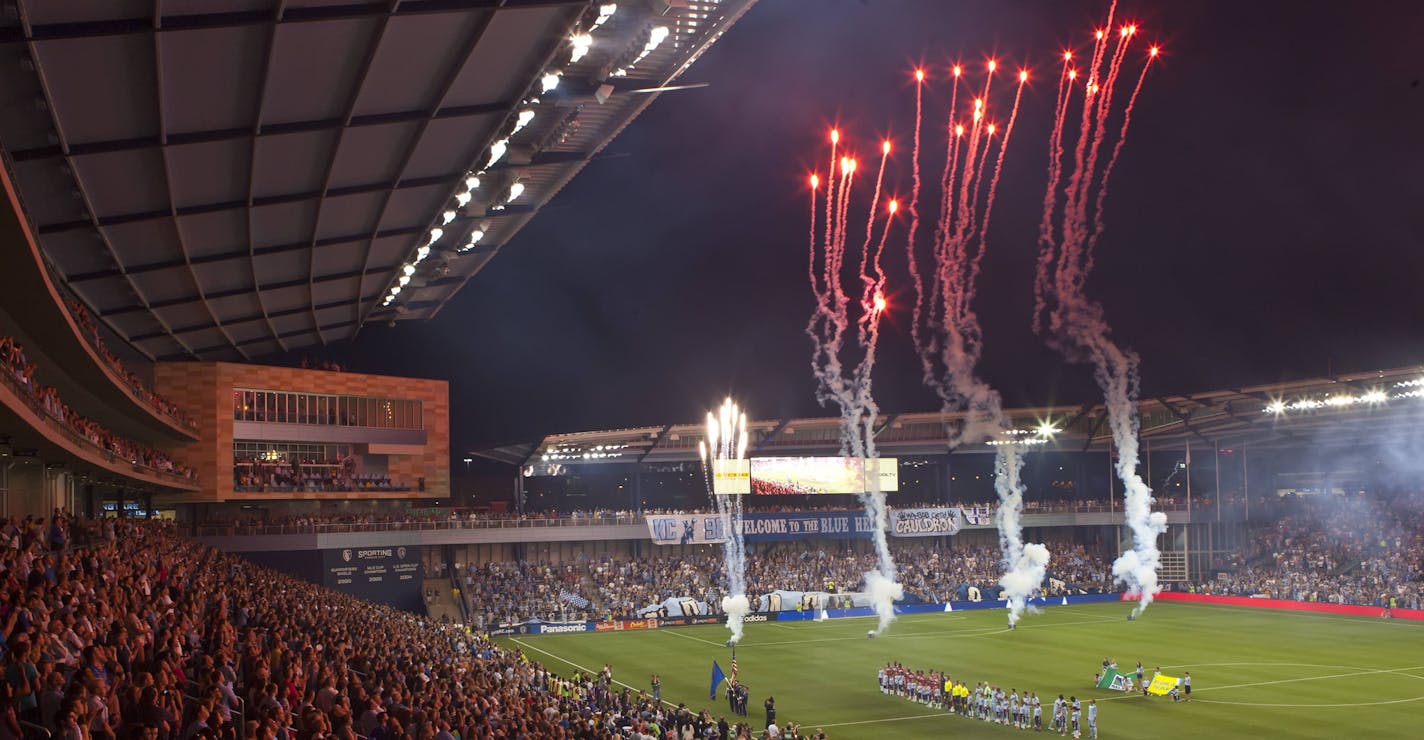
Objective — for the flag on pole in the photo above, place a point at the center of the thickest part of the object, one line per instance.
(734, 665)
(717, 678)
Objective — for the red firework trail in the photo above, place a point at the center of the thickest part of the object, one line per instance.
(1117, 149)
(811, 268)
(973, 171)
(830, 200)
(915, 278)
(951, 147)
(1055, 174)
(868, 283)
(1100, 44)
(998, 168)
(1083, 257)
(1076, 324)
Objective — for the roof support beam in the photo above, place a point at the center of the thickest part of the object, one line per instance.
(244, 319)
(347, 275)
(661, 436)
(258, 340)
(82, 277)
(269, 200)
(1186, 420)
(888, 421)
(246, 132)
(780, 425)
(236, 19)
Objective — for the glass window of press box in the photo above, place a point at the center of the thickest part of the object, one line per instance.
(283, 407)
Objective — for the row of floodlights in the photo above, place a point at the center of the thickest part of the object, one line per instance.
(580, 44)
(1040, 435)
(1373, 397)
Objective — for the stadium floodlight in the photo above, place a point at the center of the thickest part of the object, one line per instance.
(435, 235)
(475, 237)
(1046, 429)
(497, 151)
(550, 81)
(404, 279)
(605, 11)
(472, 182)
(395, 290)
(581, 43)
(422, 253)
(525, 116)
(515, 190)
(447, 217)
(408, 268)
(463, 198)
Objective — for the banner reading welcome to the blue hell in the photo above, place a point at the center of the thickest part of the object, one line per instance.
(710, 529)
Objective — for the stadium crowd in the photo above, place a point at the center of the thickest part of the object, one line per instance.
(20, 372)
(604, 587)
(253, 474)
(1338, 550)
(974, 512)
(90, 331)
(143, 634)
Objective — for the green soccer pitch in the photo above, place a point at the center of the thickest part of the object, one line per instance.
(1255, 673)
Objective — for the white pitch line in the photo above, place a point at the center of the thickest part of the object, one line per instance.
(1312, 678)
(1401, 671)
(589, 671)
(913, 635)
(674, 632)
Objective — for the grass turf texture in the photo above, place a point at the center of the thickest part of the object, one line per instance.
(1255, 673)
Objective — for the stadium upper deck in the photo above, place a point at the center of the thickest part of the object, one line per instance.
(1299, 414)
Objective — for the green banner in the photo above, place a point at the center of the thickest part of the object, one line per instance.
(1114, 680)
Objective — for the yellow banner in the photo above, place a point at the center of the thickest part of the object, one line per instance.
(1162, 684)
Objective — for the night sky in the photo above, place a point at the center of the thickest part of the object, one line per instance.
(1265, 222)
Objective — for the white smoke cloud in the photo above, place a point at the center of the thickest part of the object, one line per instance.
(883, 592)
(736, 608)
(1024, 565)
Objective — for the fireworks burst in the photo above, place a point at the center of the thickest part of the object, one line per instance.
(724, 451)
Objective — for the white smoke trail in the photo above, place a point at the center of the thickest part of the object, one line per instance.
(727, 442)
(1076, 324)
(850, 388)
(951, 341)
(1025, 566)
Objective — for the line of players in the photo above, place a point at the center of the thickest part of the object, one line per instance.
(986, 702)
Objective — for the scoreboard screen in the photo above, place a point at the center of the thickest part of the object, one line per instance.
(779, 476)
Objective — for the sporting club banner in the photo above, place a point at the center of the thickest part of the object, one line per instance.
(710, 529)
(1161, 685)
(1114, 680)
(925, 522)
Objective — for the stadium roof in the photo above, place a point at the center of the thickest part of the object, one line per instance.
(1302, 414)
(231, 178)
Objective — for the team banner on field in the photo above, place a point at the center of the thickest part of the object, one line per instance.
(1161, 685)
(1114, 680)
(775, 476)
(925, 522)
(710, 529)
